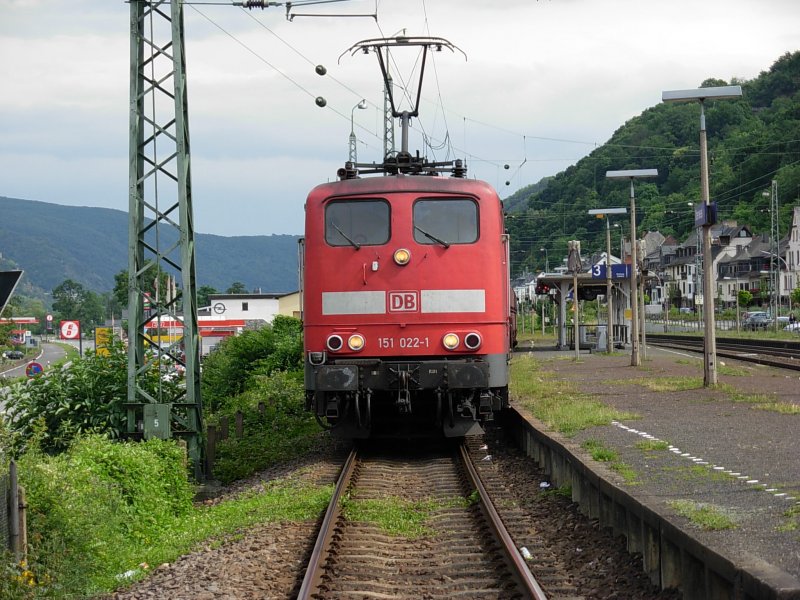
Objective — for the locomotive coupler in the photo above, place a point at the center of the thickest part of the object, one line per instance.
(403, 394)
(485, 406)
(332, 408)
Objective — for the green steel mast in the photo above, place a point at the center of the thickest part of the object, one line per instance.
(161, 232)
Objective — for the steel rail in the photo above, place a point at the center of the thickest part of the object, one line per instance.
(518, 566)
(784, 354)
(313, 576)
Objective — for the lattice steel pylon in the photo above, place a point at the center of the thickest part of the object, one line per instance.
(161, 233)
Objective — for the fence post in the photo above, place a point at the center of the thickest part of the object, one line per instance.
(239, 424)
(13, 510)
(211, 449)
(23, 523)
(223, 428)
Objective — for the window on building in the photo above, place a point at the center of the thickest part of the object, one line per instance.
(244, 306)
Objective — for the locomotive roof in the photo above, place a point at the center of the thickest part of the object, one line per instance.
(404, 183)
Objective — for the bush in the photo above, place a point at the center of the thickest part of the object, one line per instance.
(86, 395)
(90, 506)
(227, 370)
(284, 430)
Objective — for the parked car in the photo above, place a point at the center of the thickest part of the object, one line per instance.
(756, 322)
(793, 327)
(753, 313)
(14, 354)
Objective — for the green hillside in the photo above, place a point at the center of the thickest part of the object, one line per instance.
(751, 141)
(52, 243)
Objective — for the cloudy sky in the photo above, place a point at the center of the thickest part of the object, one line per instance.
(542, 84)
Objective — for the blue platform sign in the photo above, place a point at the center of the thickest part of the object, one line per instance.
(617, 272)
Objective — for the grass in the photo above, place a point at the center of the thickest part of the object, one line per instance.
(103, 509)
(398, 516)
(601, 453)
(695, 472)
(703, 515)
(670, 384)
(652, 445)
(282, 501)
(760, 401)
(792, 519)
(734, 371)
(565, 491)
(558, 404)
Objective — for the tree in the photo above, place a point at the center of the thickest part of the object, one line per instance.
(203, 293)
(67, 298)
(121, 289)
(795, 296)
(745, 298)
(72, 301)
(237, 287)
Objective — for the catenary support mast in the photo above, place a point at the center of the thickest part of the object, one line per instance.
(161, 232)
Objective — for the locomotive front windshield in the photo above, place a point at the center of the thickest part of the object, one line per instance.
(445, 221)
(357, 223)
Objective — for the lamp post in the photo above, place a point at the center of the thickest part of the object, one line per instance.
(705, 215)
(603, 213)
(546, 261)
(632, 174)
(352, 157)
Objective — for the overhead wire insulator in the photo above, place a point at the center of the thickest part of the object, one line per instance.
(262, 4)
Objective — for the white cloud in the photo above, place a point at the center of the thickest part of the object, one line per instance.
(560, 69)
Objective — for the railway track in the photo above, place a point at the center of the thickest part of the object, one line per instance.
(462, 549)
(774, 353)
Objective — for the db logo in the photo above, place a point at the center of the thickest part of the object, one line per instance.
(403, 301)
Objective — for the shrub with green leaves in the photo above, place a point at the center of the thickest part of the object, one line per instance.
(88, 505)
(284, 429)
(227, 370)
(86, 395)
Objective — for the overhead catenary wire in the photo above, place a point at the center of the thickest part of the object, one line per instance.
(436, 143)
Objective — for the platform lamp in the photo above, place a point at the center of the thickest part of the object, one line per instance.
(603, 213)
(632, 174)
(705, 216)
(353, 154)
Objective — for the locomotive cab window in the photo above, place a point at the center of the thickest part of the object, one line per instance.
(357, 223)
(445, 221)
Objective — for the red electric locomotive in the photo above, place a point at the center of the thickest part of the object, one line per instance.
(407, 314)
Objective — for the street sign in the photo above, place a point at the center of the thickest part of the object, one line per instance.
(617, 272)
(70, 330)
(8, 281)
(49, 318)
(33, 369)
(103, 338)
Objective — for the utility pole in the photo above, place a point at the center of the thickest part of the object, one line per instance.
(774, 249)
(161, 233)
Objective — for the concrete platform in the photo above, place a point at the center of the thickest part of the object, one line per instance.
(735, 448)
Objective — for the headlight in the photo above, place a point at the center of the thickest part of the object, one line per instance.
(472, 340)
(450, 341)
(402, 256)
(334, 343)
(355, 342)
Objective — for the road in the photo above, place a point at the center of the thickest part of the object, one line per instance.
(48, 354)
